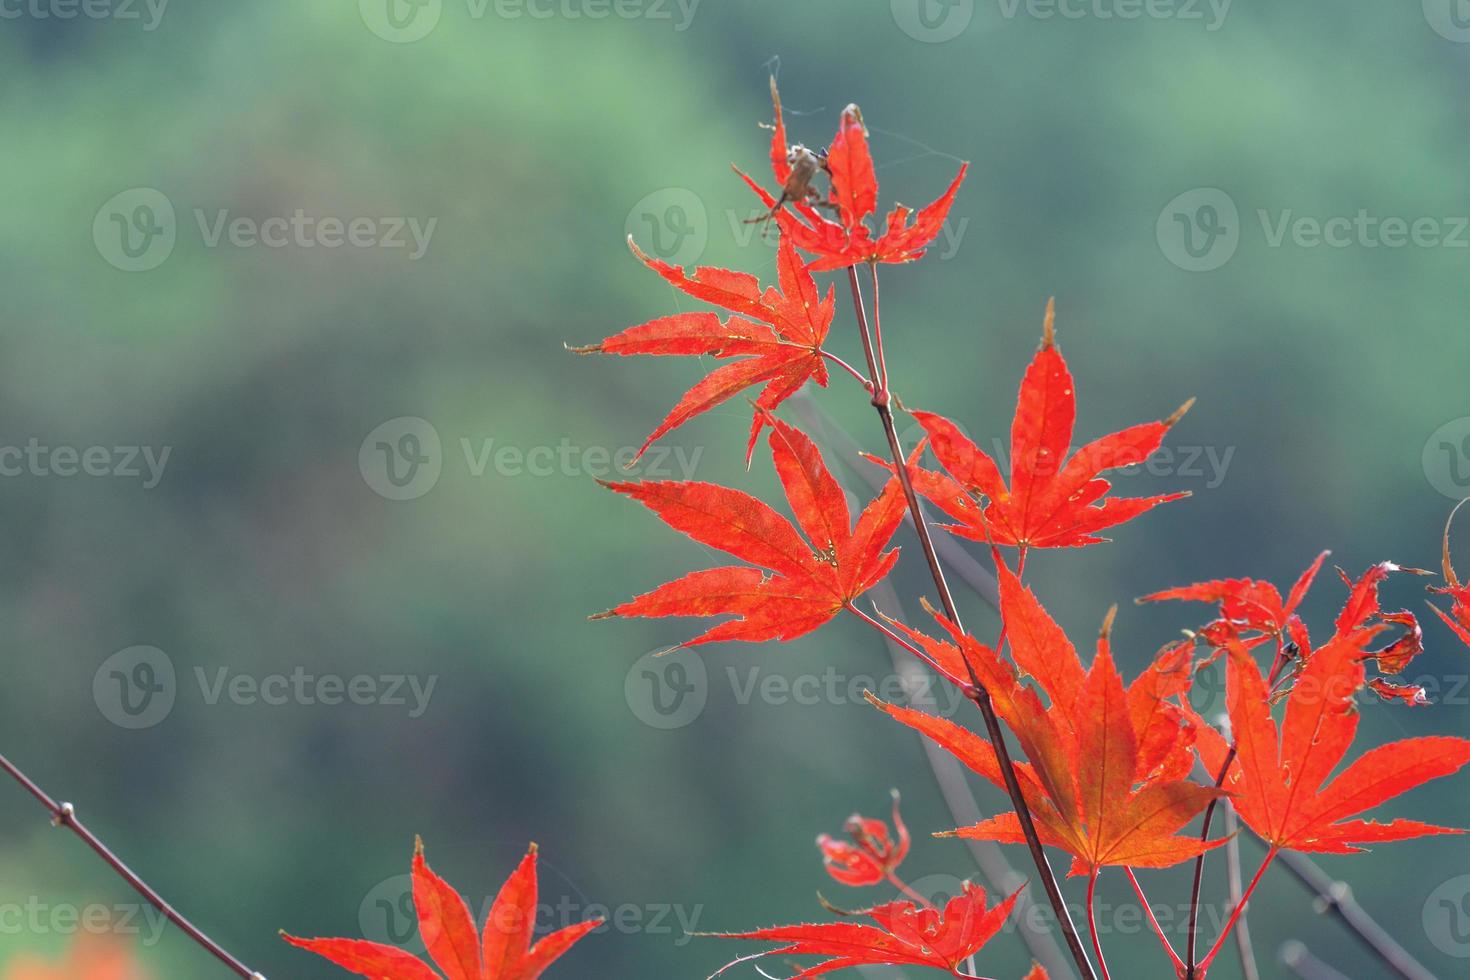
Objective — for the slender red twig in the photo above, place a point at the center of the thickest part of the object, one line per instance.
(893, 636)
(1153, 920)
(65, 815)
(1237, 911)
(902, 886)
(1102, 964)
(839, 362)
(882, 402)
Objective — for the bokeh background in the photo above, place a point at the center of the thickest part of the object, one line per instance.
(1137, 163)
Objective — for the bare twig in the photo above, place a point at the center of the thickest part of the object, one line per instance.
(1336, 897)
(1299, 960)
(882, 402)
(65, 815)
(1248, 966)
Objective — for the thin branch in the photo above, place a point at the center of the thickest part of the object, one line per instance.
(1299, 960)
(65, 815)
(882, 402)
(948, 773)
(1243, 944)
(1336, 897)
(965, 810)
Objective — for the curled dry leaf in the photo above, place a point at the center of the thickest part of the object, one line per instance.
(871, 855)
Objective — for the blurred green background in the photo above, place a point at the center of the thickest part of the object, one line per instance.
(1108, 152)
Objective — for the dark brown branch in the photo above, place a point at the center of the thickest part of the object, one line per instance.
(65, 815)
(965, 810)
(882, 402)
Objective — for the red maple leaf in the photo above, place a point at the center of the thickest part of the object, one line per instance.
(872, 855)
(854, 197)
(1052, 501)
(905, 935)
(1249, 603)
(815, 576)
(775, 333)
(1277, 778)
(1458, 618)
(503, 952)
(1105, 777)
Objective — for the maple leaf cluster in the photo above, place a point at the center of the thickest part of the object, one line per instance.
(1107, 772)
